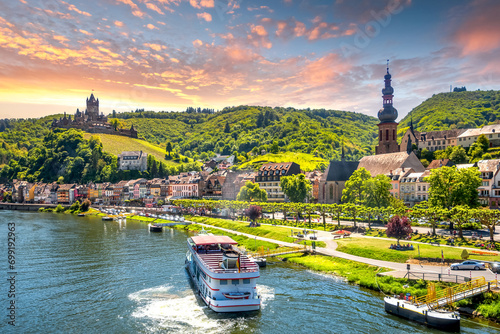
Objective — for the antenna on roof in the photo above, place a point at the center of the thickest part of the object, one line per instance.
(387, 66)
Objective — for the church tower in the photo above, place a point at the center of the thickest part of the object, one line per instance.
(92, 108)
(387, 128)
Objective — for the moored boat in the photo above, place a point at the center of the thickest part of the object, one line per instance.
(223, 276)
(107, 218)
(440, 319)
(155, 228)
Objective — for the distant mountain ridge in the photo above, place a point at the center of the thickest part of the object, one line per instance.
(318, 132)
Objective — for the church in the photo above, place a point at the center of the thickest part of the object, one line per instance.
(91, 121)
(388, 159)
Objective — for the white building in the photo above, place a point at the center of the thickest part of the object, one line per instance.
(133, 160)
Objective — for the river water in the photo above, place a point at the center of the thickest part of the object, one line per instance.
(83, 275)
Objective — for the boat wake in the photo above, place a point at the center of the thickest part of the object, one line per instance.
(162, 309)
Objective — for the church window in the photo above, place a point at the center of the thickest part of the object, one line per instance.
(331, 191)
(386, 134)
(380, 136)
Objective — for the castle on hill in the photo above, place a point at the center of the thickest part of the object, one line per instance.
(92, 121)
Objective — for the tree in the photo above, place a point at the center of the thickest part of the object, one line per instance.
(487, 218)
(296, 187)
(399, 228)
(460, 215)
(227, 129)
(449, 186)
(251, 192)
(355, 186)
(378, 191)
(168, 148)
(458, 154)
(253, 212)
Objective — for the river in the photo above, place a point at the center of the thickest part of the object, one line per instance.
(83, 275)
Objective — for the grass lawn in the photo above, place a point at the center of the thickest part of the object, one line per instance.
(379, 250)
(266, 231)
(116, 144)
(307, 162)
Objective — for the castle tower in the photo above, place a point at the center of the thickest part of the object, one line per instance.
(92, 108)
(387, 128)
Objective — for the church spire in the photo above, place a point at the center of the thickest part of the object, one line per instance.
(388, 113)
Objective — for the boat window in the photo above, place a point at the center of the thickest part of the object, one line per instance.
(223, 282)
(236, 281)
(246, 281)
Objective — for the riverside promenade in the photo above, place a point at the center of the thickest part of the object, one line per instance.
(399, 269)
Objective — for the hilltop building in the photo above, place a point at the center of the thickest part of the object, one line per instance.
(92, 121)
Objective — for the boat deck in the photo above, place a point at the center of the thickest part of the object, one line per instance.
(212, 261)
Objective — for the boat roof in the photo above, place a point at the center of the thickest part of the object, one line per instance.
(213, 239)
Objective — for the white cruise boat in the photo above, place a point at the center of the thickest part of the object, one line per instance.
(224, 278)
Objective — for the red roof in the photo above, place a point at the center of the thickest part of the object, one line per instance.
(213, 239)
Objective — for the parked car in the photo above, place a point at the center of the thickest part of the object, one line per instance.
(495, 267)
(468, 265)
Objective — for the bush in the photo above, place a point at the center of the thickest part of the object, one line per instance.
(85, 205)
(75, 207)
(59, 208)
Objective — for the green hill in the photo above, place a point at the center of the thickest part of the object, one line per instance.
(243, 129)
(306, 161)
(454, 110)
(115, 144)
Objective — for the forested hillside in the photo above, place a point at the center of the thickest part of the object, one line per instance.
(457, 109)
(247, 129)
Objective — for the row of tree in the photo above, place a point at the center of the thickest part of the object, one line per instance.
(458, 216)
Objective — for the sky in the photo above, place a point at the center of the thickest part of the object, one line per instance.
(171, 54)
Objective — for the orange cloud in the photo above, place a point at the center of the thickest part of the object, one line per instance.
(73, 8)
(202, 3)
(205, 16)
(85, 32)
(154, 7)
(135, 9)
(156, 47)
(480, 33)
(197, 42)
(259, 36)
(118, 23)
(151, 27)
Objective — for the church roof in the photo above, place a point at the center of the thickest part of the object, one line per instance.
(385, 163)
(440, 163)
(339, 170)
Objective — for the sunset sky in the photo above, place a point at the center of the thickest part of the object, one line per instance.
(170, 54)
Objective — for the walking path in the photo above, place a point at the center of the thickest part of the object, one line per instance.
(330, 250)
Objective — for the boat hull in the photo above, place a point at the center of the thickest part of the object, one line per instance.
(440, 320)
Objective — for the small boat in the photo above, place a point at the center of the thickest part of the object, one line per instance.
(107, 218)
(155, 228)
(81, 215)
(440, 319)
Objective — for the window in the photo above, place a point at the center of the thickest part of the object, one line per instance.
(423, 188)
(235, 281)
(223, 282)
(331, 190)
(485, 183)
(246, 281)
(418, 189)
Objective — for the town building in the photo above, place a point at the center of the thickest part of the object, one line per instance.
(269, 177)
(333, 180)
(234, 181)
(133, 160)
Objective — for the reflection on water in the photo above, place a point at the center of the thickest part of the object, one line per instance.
(83, 275)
